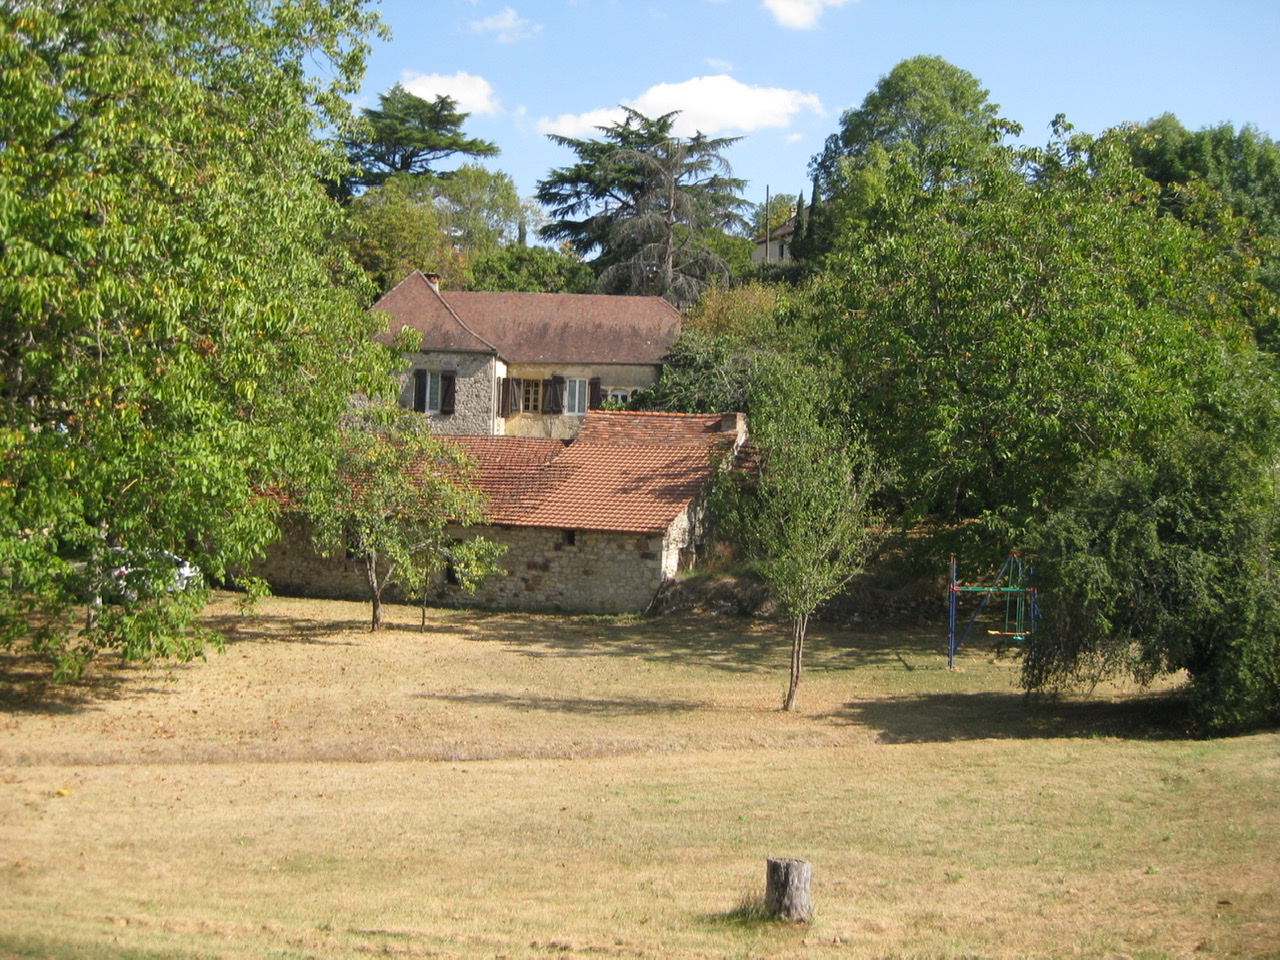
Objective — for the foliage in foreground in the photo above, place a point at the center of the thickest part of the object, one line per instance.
(1172, 564)
(175, 333)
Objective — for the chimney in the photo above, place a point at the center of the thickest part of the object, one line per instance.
(736, 424)
(433, 281)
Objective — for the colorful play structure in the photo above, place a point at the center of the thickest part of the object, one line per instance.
(1021, 607)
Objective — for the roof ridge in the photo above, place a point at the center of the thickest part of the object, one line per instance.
(435, 288)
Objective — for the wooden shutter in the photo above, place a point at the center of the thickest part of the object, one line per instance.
(594, 394)
(420, 390)
(513, 396)
(448, 390)
(553, 395)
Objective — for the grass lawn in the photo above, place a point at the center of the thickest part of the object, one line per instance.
(520, 786)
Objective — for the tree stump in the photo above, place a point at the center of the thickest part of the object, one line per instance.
(786, 892)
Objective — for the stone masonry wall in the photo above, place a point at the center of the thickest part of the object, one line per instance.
(474, 406)
(581, 571)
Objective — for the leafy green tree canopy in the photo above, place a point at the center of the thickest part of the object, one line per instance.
(926, 112)
(773, 214)
(1168, 563)
(407, 134)
(803, 514)
(175, 331)
(392, 501)
(521, 269)
(1241, 168)
(481, 209)
(1015, 325)
(396, 228)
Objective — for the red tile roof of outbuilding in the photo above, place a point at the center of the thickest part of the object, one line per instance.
(625, 472)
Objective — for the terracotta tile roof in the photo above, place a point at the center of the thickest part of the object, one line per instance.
(534, 327)
(633, 472)
(606, 426)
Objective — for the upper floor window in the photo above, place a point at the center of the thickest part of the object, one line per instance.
(575, 397)
(532, 399)
(433, 391)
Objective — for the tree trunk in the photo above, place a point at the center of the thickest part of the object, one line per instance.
(375, 588)
(798, 627)
(786, 892)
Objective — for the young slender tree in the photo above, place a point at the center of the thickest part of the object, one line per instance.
(396, 494)
(803, 514)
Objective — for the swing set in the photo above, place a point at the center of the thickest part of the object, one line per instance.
(1021, 606)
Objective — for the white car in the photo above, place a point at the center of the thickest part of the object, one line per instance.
(134, 575)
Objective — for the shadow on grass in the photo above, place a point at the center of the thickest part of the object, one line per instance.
(946, 717)
(258, 628)
(27, 686)
(581, 706)
(729, 643)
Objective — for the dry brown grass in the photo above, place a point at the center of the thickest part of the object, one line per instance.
(526, 786)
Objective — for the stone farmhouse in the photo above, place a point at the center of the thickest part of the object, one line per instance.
(597, 524)
(524, 364)
(597, 509)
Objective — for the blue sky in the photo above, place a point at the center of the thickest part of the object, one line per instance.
(778, 73)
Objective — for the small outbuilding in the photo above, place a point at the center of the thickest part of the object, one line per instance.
(596, 524)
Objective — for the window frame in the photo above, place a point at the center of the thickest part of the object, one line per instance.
(431, 389)
(531, 396)
(576, 396)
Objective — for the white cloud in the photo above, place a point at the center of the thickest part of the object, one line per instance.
(711, 105)
(724, 66)
(721, 103)
(474, 94)
(507, 26)
(800, 14)
(579, 124)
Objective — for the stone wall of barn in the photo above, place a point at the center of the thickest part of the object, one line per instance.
(575, 571)
(570, 571)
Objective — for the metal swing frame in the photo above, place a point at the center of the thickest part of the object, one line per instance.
(1022, 607)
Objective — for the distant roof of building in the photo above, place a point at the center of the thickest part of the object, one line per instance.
(533, 327)
(624, 472)
(782, 230)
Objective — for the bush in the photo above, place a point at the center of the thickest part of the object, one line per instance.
(1153, 567)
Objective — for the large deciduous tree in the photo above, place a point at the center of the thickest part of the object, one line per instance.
(802, 512)
(649, 204)
(926, 115)
(406, 134)
(1240, 168)
(925, 112)
(1013, 326)
(175, 332)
